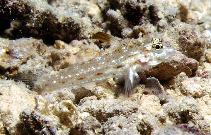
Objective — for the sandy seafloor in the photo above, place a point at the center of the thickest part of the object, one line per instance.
(39, 38)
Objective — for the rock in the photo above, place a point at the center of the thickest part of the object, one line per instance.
(180, 129)
(205, 107)
(129, 14)
(208, 55)
(40, 19)
(2, 128)
(51, 116)
(89, 126)
(35, 123)
(172, 66)
(196, 87)
(120, 125)
(58, 96)
(148, 124)
(14, 99)
(21, 59)
(66, 112)
(191, 43)
(153, 102)
(186, 110)
(15, 53)
(204, 70)
(104, 109)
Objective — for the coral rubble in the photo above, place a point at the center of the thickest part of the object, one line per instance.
(65, 41)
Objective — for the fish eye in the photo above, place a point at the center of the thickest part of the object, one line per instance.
(158, 46)
(157, 43)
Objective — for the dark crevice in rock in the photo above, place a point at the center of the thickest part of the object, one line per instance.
(134, 13)
(20, 19)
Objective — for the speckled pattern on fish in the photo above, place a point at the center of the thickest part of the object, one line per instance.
(112, 65)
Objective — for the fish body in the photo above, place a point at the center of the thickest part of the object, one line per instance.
(123, 62)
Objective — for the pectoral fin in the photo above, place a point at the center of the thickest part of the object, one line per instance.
(131, 80)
